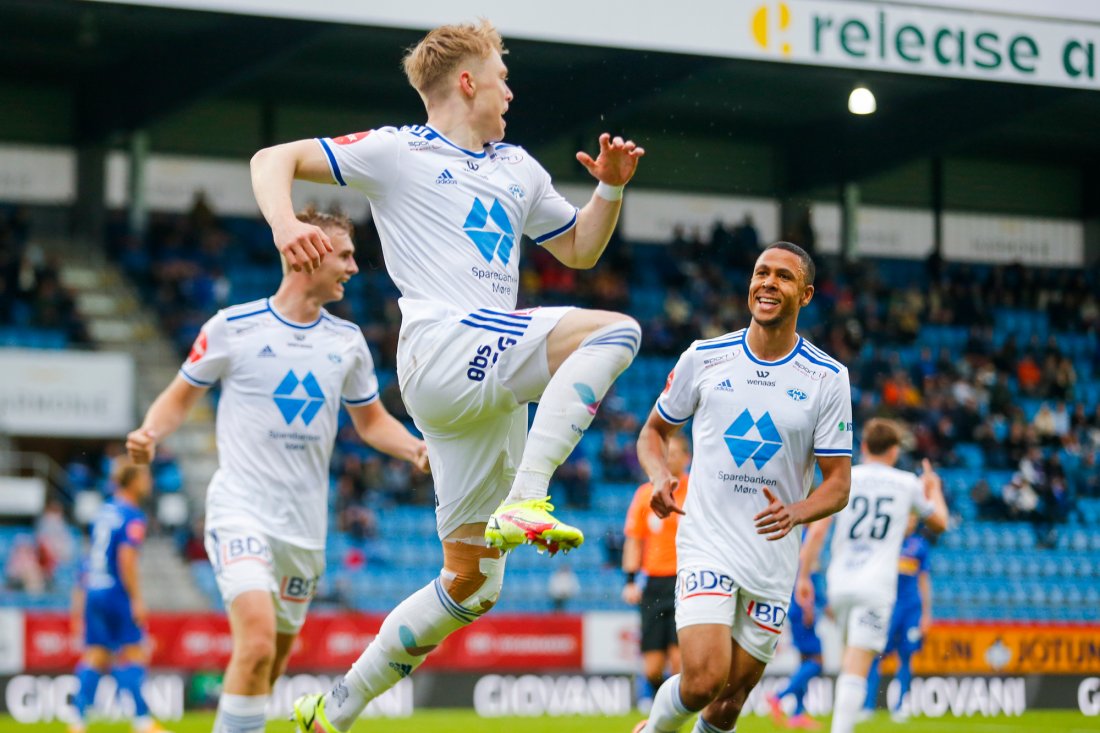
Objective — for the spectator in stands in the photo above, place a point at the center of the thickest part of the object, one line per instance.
(54, 540)
(23, 571)
(988, 504)
(1028, 375)
(563, 586)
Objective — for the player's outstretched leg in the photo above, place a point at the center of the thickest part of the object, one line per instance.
(130, 676)
(88, 677)
(467, 588)
(586, 352)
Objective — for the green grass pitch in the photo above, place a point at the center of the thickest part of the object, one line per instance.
(460, 721)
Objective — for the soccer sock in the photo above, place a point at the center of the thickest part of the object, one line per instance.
(702, 726)
(905, 676)
(241, 713)
(129, 678)
(408, 635)
(569, 403)
(851, 689)
(800, 683)
(668, 713)
(872, 686)
(89, 681)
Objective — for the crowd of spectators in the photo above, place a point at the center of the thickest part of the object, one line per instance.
(31, 293)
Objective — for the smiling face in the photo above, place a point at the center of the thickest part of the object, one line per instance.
(327, 283)
(489, 96)
(778, 288)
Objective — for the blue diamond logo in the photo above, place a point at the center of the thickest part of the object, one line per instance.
(490, 230)
(291, 406)
(760, 447)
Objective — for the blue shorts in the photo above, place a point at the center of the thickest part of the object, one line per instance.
(805, 637)
(905, 635)
(109, 620)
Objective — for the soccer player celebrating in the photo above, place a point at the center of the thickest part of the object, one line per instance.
(108, 609)
(451, 202)
(910, 622)
(766, 404)
(862, 574)
(651, 547)
(285, 365)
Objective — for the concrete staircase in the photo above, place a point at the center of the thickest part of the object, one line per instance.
(117, 321)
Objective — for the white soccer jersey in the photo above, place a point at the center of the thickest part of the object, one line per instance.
(449, 219)
(868, 533)
(282, 383)
(757, 424)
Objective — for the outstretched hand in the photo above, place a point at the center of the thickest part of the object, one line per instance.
(662, 501)
(616, 162)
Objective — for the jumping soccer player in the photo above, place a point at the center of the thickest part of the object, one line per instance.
(862, 574)
(766, 404)
(451, 202)
(285, 365)
(108, 608)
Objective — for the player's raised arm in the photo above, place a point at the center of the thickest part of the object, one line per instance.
(163, 418)
(382, 431)
(613, 167)
(274, 171)
(653, 456)
(933, 492)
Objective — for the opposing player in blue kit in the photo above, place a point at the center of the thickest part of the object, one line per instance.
(108, 606)
(803, 625)
(451, 202)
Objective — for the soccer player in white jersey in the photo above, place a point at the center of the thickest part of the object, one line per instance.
(285, 365)
(766, 404)
(451, 202)
(863, 567)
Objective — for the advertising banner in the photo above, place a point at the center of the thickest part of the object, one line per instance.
(74, 394)
(953, 648)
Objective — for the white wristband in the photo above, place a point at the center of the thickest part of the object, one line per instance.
(609, 193)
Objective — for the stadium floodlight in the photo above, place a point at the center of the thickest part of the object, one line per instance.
(861, 101)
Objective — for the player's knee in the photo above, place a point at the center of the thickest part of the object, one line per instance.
(475, 580)
(256, 653)
(698, 690)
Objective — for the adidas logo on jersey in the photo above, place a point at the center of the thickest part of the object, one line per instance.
(445, 178)
(723, 386)
(266, 351)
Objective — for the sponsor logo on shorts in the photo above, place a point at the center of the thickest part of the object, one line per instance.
(240, 549)
(297, 590)
(485, 357)
(872, 620)
(768, 616)
(695, 583)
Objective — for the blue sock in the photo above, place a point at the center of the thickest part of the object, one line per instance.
(800, 683)
(872, 685)
(645, 688)
(89, 682)
(130, 677)
(905, 676)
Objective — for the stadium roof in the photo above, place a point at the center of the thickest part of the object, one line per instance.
(127, 67)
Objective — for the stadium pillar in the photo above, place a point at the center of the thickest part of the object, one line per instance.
(138, 214)
(849, 222)
(90, 207)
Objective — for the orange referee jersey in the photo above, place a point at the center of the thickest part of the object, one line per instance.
(658, 536)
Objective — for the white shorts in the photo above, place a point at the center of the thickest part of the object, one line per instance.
(706, 595)
(864, 624)
(245, 559)
(466, 381)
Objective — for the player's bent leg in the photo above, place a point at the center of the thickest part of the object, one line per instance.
(284, 643)
(467, 587)
(247, 685)
(653, 667)
(851, 688)
(742, 675)
(705, 651)
(129, 672)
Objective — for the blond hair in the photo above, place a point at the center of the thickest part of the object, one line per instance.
(327, 220)
(438, 54)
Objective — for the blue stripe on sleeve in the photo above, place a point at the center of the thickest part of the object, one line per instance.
(192, 380)
(332, 162)
(669, 418)
(559, 231)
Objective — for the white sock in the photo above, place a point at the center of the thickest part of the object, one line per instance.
(418, 624)
(241, 713)
(668, 713)
(569, 403)
(851, 689)
(702, 726)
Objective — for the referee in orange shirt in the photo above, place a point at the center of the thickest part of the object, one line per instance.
(650, 548)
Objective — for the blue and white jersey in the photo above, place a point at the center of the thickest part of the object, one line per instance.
(449, 219)
(867, 538)
(117, 523)
(282, 384)
(757, 424)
